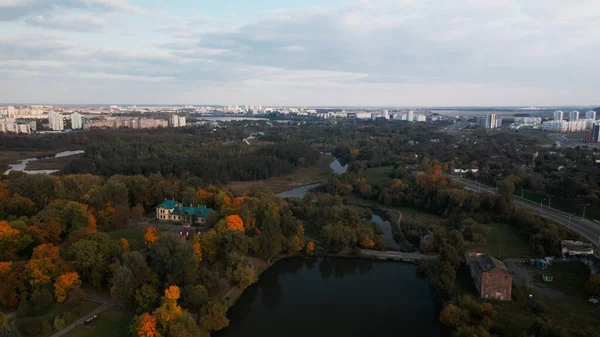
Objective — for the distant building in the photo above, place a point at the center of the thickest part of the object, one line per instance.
(421, 118)
(410, 116)
(593, 135)
(491, 121)
(576, 248)
(590, 115)
(76, 121)
(55, 120)
(573, 115)
(386, 114)
(176, 121)
(171, 210)
(492, 279)
(558, 115)
(528, 121)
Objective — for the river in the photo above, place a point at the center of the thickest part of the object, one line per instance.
(326, 297)
(300, 192)
(22, 165)
(386, 227)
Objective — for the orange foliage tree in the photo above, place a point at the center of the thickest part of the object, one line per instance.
(198, 251)
(44, 264)
(205, 196)
(366, 242)
(234, 223)
(310, 248)
(169, 311)
(124, 245)
(8, 237)
(237, 202)
(92, 226)
(64, 284)
(151, 235)
(146, 326)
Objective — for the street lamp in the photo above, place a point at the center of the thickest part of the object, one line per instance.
(550, 201)
(542, 204)
(584, 206)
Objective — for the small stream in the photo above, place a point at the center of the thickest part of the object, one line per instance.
(22, 166)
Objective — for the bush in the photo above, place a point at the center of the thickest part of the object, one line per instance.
(59, 323)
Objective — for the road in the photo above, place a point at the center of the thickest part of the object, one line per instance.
(587, 228)
(106, 304)
(399, 256)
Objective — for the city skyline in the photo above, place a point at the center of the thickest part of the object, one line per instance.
(297, 53)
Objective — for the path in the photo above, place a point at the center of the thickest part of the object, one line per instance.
(106, 304)
(397, 256)
(587, 228)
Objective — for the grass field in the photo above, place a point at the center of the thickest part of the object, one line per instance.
(304, 176)
(113, 322)
(51, 163)
(378, 175)
(570, 277)
(503, 242)
(538, 137)
(135, 236)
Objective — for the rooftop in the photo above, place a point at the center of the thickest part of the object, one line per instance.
(487, 263)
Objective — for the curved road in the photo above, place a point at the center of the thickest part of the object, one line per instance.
(587, 228)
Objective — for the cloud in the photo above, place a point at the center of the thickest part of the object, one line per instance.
(369, 51)
(85, 23)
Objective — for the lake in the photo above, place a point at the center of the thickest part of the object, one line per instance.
(328, 297)
(386, 227)
(337, 167)
(22, 166)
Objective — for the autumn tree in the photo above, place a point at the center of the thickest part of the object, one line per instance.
(310, 248)
(198, 251)
(45, 264)
(151, 236)
(145, 326)
(452, 316)
(174, 260)
(234, 223)
(64, 284)
(9, 239)
(169, 311)
(245, 276)
(124, 245)
(214, 316)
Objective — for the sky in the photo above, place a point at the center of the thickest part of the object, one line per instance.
(301, 52)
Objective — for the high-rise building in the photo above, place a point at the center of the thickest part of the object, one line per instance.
(593, 135)
(558, 115)
(174, 121)
(590, 115)
(386, 114)
(182, 121)
(573, 115)
(76, 121)
(411, 116)
(55, 120)
(10, 111)
(491, 121)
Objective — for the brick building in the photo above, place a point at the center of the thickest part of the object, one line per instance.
(491, 277)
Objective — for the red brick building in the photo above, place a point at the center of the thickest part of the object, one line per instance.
(491, 277)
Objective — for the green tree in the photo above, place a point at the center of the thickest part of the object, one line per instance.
(145, 297)
(214, 316)
(93, 255)
(194, 296)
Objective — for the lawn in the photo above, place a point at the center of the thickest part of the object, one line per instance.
(134, 235)
(503, 242)
(570, 277)
(379, 175)
(113, 322)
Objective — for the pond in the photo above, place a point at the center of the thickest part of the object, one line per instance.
(22, 166)
(386, 227)
(337, 167)
(325, 297)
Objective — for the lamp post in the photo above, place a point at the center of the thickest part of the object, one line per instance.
(542, 204)
(584, 206)
(550, 201)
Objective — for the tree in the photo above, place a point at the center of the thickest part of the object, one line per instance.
(310, 248)
(214, 316)
(194, 297)
(9, 239)
(64, 284)
(271, 239)
(169, 311)
(506, 188)
(124, 245)
(245, 276)
(45, 264)
(173, 260)
(93, 255)
(234, 223)
(151, 236)
(593, 285)
(145, 326)
(198, 251)
(145, 298)
(452, 316)
(124, 285)
(185, 326)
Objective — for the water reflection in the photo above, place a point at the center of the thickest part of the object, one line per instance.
(364, 298)
(386, 228)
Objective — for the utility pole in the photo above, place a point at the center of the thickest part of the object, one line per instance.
(584, 206)
(550, 201)
(522, 188)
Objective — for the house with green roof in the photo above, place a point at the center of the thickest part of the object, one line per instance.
(171, 210)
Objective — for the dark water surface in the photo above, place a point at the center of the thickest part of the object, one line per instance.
(329, 297)
(386, 227)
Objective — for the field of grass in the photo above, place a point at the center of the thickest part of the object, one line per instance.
(538, 137)
(570, 277)
(503, 242)
(378, 175)
(113, 322)
(51, 163)
(318, 173)
(134, 235)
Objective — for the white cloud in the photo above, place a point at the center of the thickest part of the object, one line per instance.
(370, 51)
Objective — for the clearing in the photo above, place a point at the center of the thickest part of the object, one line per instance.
(113, 322)
(379, 176)
(318, 173)
(503, 242)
